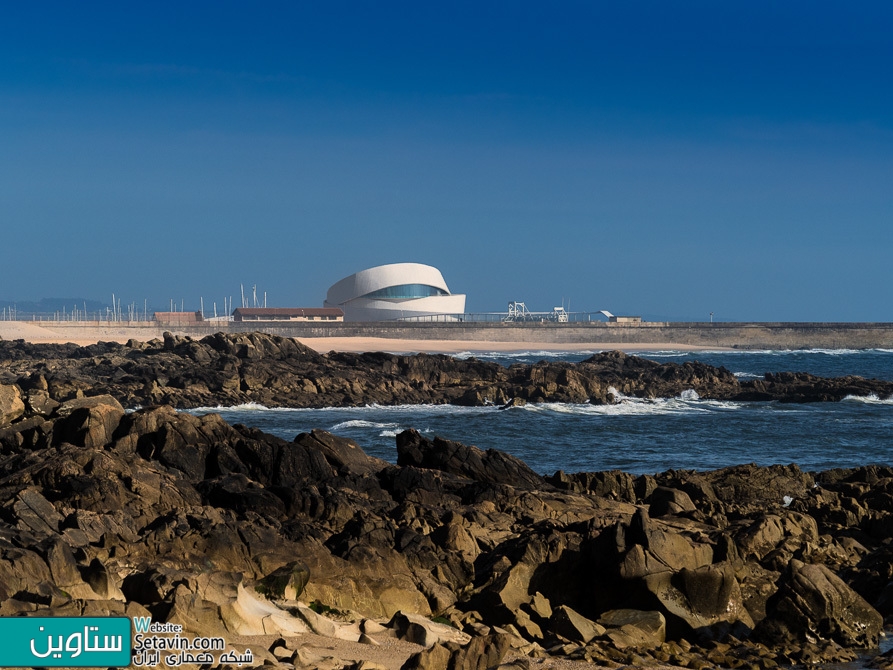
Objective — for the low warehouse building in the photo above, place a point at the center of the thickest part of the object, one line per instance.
(268, 314)
(178, 318)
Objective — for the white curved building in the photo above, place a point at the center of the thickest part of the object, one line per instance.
(396, 291)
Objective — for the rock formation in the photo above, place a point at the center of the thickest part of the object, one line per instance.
(280, 372)
(229, 531)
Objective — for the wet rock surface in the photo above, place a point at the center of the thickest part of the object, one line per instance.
(275, 371)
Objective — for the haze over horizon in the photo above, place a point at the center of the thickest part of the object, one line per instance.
(668, 160)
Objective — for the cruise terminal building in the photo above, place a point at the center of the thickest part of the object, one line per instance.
(393, 292)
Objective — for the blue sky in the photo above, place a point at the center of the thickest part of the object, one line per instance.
(654, 158)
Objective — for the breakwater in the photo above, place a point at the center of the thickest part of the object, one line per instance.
(742, 335)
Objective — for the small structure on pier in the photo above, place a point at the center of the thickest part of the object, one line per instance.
(178, 318)
(518, 312)
(273, 314)
(621, 319)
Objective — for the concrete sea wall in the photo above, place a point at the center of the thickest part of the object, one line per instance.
(795, 335)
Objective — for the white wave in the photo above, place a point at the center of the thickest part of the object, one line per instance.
(419, 409)
(747, 375)
(681, 353)
(724, 404)
(374, 409)
(623, 408)
(394, 432)
(666, 353)
(244, 407)
(376, 417)
(359, 423)
(384, 428)
(821, 351)
(621, 398)
(629, 406)
(870, 399)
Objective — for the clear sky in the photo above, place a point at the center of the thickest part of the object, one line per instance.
(659, 158)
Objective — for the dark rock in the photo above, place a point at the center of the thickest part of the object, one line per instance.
(11, 405)
(276, 371)
(35, 512)
(634, 628)
(541, 606)
(422, 631)
(488, 467)
(664, 501)
(63, 567)
(705, 599)
(88, 422)
(573, 626)
(343, 454)
(40, 402)
(515, 402)
(608, 484)
(654, 548)
(481, 653)
(102, 581)
(814, 603)
(768, 531)
(434, 658)
(743, 488)
(238, 493)
(70, 406)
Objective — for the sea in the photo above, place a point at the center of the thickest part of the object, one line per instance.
(634, 435)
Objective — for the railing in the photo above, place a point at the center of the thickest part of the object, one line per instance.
(557, 316)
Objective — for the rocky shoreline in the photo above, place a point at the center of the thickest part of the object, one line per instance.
(226, 370)
(466, 558)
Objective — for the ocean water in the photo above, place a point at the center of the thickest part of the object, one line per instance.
(635, 435)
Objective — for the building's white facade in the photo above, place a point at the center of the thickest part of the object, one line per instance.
(395, 291)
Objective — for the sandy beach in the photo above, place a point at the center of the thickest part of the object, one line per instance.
(15, 330)
(30, 332)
